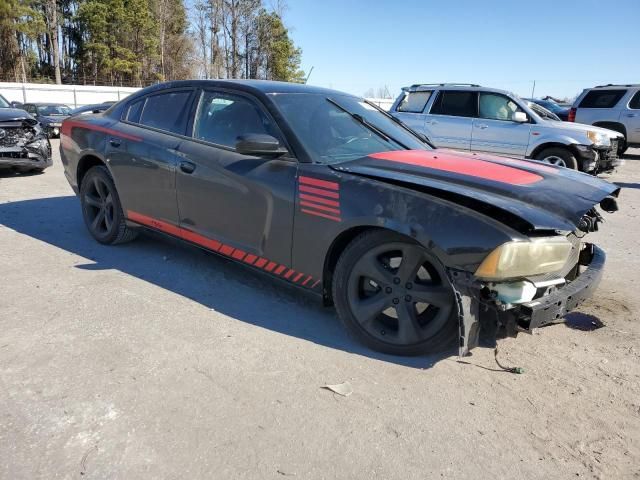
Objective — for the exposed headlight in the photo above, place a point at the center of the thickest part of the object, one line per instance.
(598, 138)
(522, 259)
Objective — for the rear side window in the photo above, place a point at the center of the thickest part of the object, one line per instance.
(458, 104)
(414, 102)
(635, 101)
(166, 111)
(602, 98)
(135, 109)
(223, 117)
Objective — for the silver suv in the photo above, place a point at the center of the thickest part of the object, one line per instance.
(616, 107)
(470, 117)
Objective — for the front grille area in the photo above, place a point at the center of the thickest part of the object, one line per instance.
(15, 136)
(23, 154)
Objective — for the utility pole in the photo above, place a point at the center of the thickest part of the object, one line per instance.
(533, 89)
(308, 75)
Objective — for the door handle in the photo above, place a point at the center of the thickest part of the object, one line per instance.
(115, 142)
(432, 122)
(187, 167)
(482, 126)
(631, 115)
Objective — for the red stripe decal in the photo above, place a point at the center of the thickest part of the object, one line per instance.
(319, 183)
(250, 259)
(317, 191)
(320, 207)
(319, 214)
(454, 163)
(215, 245)
(67, 125)
(324, 201)
(315, 284)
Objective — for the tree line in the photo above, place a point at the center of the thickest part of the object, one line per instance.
(139, 42)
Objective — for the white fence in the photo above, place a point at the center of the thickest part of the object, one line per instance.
(383, 103)
(71, 95)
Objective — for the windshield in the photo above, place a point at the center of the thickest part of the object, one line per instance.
(339, 128)
(54, 110)
(543, 112)
(3, 102)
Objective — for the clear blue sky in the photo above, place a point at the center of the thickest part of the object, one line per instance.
(565, 45)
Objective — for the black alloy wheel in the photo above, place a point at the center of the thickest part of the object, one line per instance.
(393, 295)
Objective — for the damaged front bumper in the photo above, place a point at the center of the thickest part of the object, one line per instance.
(479, 315)
(36, 155)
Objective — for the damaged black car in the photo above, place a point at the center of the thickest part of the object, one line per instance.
(417, 247)
(24, 145)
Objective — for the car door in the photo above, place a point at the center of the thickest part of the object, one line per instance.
(243, 200)
(630, 117)
(448, 123)
(494, 130)
(143, 153)
(411, 109)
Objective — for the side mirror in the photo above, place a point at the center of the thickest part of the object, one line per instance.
(16, 104)
(259, 144)
(520, 117)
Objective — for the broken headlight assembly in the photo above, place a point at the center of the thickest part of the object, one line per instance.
(522, 259)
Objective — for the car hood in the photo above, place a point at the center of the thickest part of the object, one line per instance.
(580, 127)
(545, 197)
(53, 118)
(14, 114)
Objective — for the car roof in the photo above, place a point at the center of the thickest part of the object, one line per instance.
(46, 104)
(256, 86)
(454, 86)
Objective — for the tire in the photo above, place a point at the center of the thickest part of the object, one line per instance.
(561, 157)
(622, 147)
(101, 208)
(375, 295)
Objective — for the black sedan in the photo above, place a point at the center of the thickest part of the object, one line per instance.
(416, 247)
(93, 108)
(24, 146)
(50, 116)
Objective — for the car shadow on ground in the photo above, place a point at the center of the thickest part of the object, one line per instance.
(212, 281)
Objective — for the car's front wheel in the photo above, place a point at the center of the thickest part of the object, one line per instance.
(394, 296)
(101, 208)
(558, 156)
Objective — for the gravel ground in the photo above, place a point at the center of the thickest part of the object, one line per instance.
(157, 360)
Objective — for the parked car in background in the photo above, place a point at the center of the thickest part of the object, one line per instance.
(542, 112)
(331, 194)
(561, 111)
(470, 117)
(616, 107)
(95, 108)
(24, 145)
(50, 116)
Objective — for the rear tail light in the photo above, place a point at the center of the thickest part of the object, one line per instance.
(572, 115)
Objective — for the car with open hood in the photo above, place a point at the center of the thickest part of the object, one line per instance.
(480, 119)
(417, 247)
(24, 145)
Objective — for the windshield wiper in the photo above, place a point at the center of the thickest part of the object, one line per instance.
(421, 136)
(363, 121)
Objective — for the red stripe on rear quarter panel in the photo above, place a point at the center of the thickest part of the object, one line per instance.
(317, 191)
(271, 266)
(226, 250)
(453, 163)
(297, 277)
(261, 262)
(250, 259)
(307, 280)
(324, 201)
(68, 125)
(280, 269)
(238, 254)
(289, 273)
(319, 183)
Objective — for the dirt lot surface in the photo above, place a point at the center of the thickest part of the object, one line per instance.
(156, 360)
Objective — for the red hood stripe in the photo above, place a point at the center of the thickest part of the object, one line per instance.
(454, 163)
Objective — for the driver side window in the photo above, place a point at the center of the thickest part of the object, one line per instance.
(221, 118)
(494, 106)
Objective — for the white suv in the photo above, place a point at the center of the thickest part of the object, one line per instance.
(616, 107)
(470, 117)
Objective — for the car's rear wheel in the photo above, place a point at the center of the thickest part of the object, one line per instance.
(101, 208)
(394, 296)
(558, 156)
